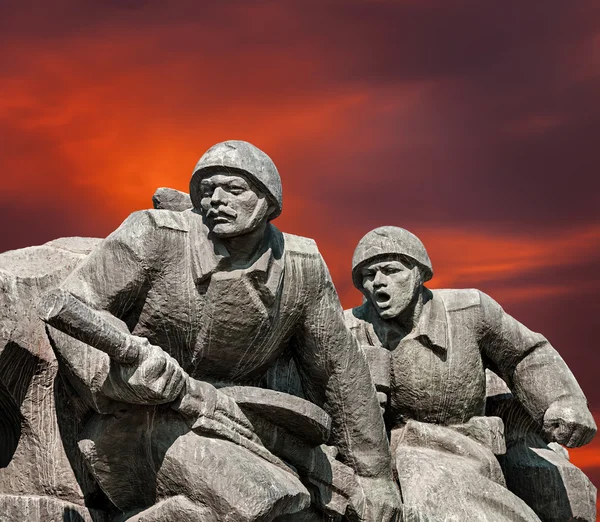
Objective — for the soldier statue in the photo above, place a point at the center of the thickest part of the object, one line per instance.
(171, 315)
(429, 351)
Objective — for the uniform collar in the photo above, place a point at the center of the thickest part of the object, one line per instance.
(209, 256)
(432, 326)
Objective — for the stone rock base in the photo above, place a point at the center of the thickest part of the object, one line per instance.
(45, 509)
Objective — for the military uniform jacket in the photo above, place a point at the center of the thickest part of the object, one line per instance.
(438, 370)
(162, 275)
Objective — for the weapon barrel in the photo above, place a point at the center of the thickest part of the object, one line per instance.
(66, 313)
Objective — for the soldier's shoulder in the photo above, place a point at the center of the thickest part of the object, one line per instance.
(142, 229)
(300, 245)
(354, 317)
(459, 299)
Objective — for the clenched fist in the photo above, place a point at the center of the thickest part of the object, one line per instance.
(154, 378)
(569, 422)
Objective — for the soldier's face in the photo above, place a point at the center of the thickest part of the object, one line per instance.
(390, 285)
(232, 205)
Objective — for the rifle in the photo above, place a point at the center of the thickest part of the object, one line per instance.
(205, 408)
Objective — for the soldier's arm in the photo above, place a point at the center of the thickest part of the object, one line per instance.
(336, 376)
(536, 374)
(111, 280)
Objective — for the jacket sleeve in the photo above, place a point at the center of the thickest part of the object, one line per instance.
(111, 280)
(336, 376)
(532, 368)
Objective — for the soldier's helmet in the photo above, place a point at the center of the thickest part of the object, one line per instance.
(389, 241)
(239, 156)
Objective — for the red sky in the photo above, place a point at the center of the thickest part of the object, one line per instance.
(473, 124)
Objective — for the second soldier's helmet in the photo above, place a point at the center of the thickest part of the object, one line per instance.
(389, 241)
(241, 156)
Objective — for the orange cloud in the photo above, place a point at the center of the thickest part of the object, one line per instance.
(122, 141)
(469, 259)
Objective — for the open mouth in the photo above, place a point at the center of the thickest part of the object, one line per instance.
(382, 298)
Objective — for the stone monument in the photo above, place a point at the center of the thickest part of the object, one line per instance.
(203, 364)
(196, 365)
(429, 351)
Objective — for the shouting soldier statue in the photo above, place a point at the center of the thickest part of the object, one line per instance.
(173, 309)
(429, 350)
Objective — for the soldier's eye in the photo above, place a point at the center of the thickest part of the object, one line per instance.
(206, 189)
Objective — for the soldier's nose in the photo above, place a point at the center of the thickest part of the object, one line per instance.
(217, 196)
(379, 279)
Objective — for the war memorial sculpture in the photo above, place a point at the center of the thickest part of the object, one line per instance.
(196, 365)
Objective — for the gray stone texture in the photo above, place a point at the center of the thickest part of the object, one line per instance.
(167, 336)
(196, 366)
(538, 472)
(171, 199)
(447, 424)
(41, 477)
(101, 278)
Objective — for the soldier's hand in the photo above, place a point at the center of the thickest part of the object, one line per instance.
(570, 423)
(155, 378)
(383, 503)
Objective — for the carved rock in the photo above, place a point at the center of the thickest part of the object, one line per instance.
(171, 199)
(539, 473)
(41, 478)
